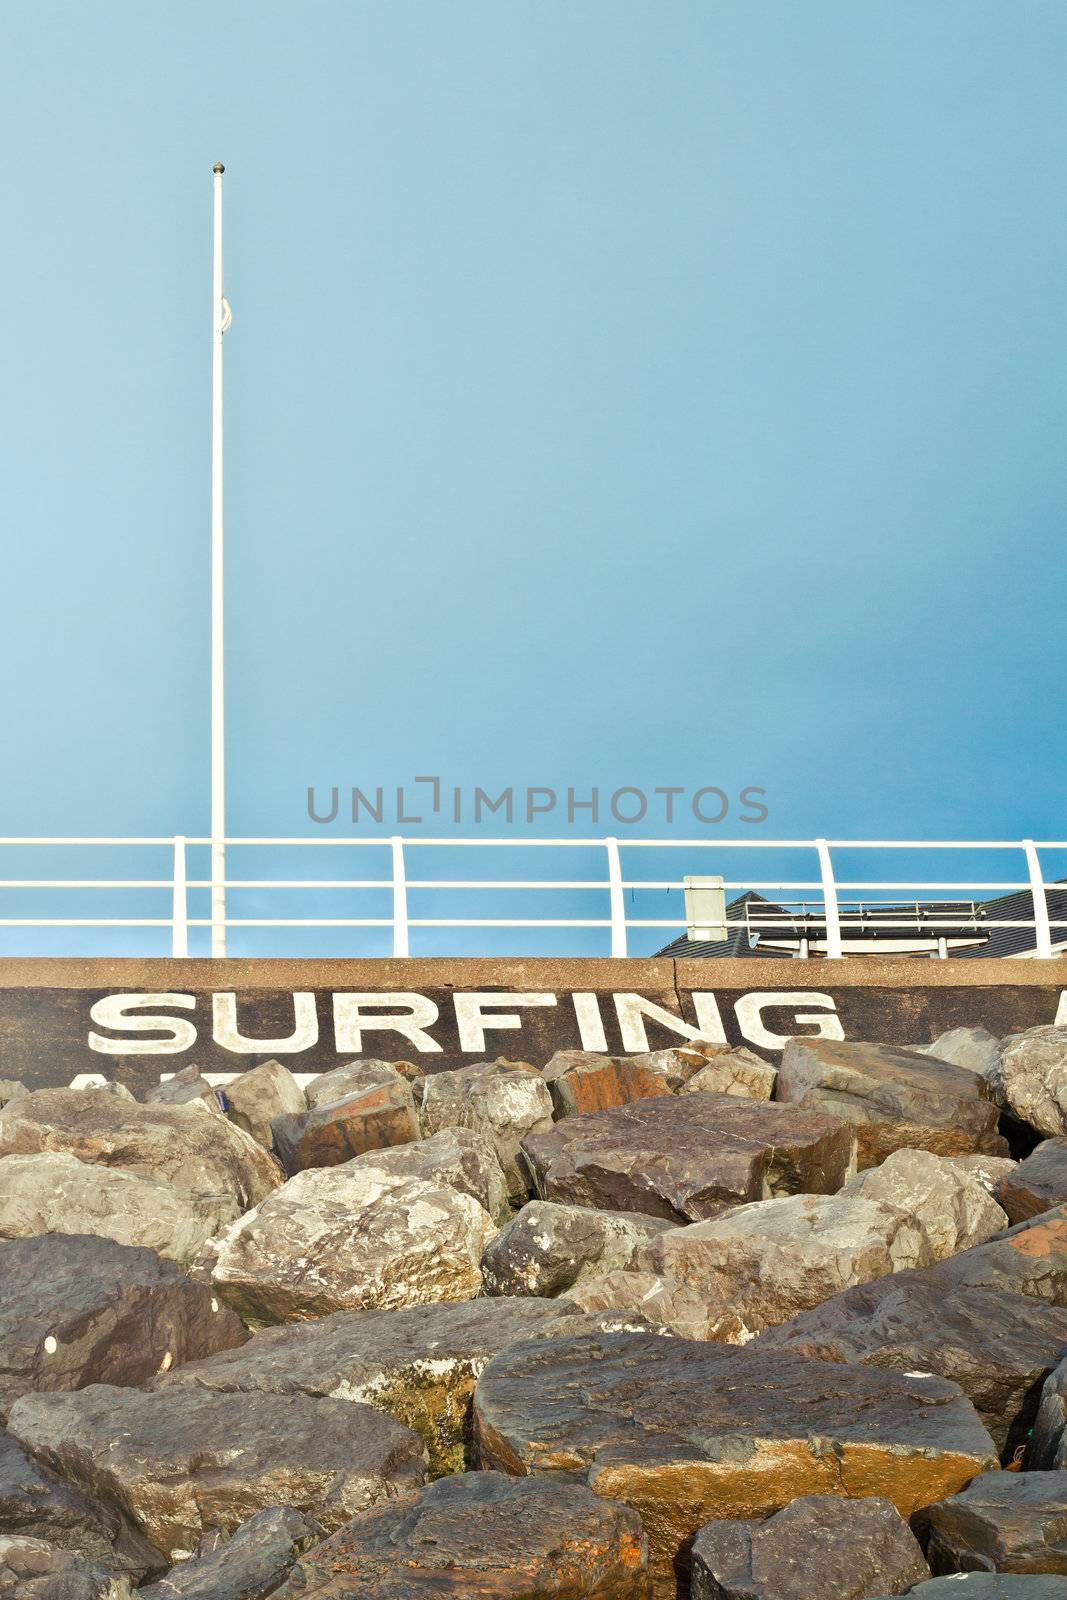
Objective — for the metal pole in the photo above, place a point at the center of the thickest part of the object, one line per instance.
(829, 900)
(219, 323)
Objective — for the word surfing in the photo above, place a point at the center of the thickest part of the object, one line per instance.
(626, 805)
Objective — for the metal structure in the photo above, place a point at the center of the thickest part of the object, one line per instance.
(827, 909)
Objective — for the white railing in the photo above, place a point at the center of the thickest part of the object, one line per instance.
(833, 915)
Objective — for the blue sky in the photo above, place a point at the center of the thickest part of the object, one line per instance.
(617, 393)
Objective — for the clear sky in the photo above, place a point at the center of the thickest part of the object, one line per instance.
(618, 393)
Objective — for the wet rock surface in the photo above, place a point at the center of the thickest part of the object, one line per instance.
(504, 1101)
(483, 1537)
(817, 1546)
(76, 1310)
(687, 1432)
(1003, 1522)
(547, 1248)
(688, 1157)
(183, 1462)
(897, 1099)
(249, 1566)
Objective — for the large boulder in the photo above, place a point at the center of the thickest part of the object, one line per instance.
(685, 1432)
(1002, 1522)
(56, 1193)
(818, 1546)
(989, 1170)
(1029, 1259)
(663, 1302)
(32, 1569)
(1034, 1185)
(737, 1071)
(997, 1347)
(191, 1147)
(419, 1364)
(1048, 1446)
(581, 1080)
(351, 1078)
(482, 1536)
(1029, 1078)
(949, 1204)
(464, 1160)
(250, 1566)
(76, 1310)
(974, 1049)
(35, 1504)
(350, 1238)
(370, 1119)
(503, 1100)
(897, 1099)
(180, 1462)
(760, 1264)
(549, 1247)
(256, 1097)
(688, 1157)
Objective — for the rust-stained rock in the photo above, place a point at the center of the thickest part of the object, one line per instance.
(758, 1265)
(687, 1432)
(351, 1078)
(76, 1310)
(547, 1247)
(1029, 1078)
(687, 1157)
(191, 1147)
(581, 1080)
(897, 1099)
(818, 1548)
(482, 1536)
(504, 1101)
(1003, 1522)
(949, 1204)
(182, 1462)
(350, 1238)
(256, 1097)
(32, 1569)
(54, 1193)
(371, 1119)
(1036, 1184)
(1029, 1259)
(998, 1347)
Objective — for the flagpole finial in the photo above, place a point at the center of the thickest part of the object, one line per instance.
(218, 167)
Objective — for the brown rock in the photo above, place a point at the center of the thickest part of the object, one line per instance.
(181, 1462)
(1003, 1522)
(1036, 1184)
(483, 1536)
(689, 1157)
(352, 1078)
(31, 1569)
(675, 1307)
(684, 1432)
(548, 1247)
(504, 1101)
(898, 1099)
(580, 1080)
(182, 1089)
(255, 1098)
(1029, 1259)
(374, 1119)
(738, 1072)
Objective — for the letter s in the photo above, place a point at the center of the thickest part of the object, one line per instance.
(757, 806)
(112, 1012)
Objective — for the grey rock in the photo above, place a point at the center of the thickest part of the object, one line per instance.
(352, 1078)
(1002, 1522)
(897, 1099)
(974, 1049)
(76, 1310)
(457, 1157)
(182, 1089)
(738, 1072)
(689, 1157)
(181, 1462)
(549, 1247)
(350, 1238)
(819, 1546)
(1029, 1078)
(250, 1566)
(57, 1193)
(186, 1145)
(987, 1586)
(10, 1089)
(505, 1101)
(1048, 1446)
(1029, 1259)
(668, 1305)
(256, 1097)
(31, 1569)
(1036, 1184)
(952, 1208)
(989, 1170)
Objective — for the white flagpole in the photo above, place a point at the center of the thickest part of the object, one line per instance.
(220, 321)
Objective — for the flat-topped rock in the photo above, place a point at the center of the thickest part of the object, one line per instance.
(819, 1546)
(418, 1364)
(256, 1097)
(1029, 1078)
(1029, 1259)
(32, 1569)
(482, 1536)
(183, 1461)
(373, 1118)
(897, 1099)
(760, 1264)
(350, 1238)
(1036, 1184)
(504, 1101)
(997, 1347)
(548, 1247)
(1003, 1522)
(191, 1147)
(688, 1157)
(76, 1310)
(687, 1432)
(35, 1504)
(949, 1203)
(57, 1193)
(250, 1566)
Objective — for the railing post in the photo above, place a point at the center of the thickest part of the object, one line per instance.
(400, 899)
(1042, 927)
(617, 898)
(829, 900)
(179, 935)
